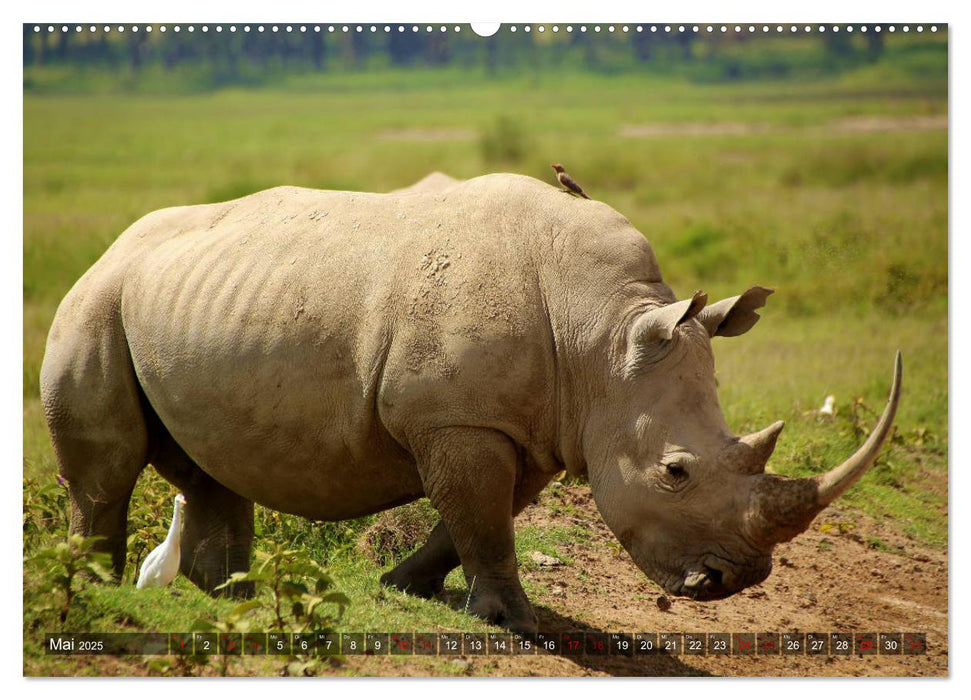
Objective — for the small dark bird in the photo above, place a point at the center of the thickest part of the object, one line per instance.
(568, 182)
(663, 603)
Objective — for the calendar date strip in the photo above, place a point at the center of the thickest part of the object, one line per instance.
(847, 644)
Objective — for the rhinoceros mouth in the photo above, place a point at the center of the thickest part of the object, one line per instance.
(718, 578)
(705, 583)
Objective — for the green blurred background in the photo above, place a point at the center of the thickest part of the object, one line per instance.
(813, 163)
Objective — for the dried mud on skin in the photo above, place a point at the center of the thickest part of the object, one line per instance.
(823, 581)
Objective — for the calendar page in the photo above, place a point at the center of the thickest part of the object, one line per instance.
(513, 349)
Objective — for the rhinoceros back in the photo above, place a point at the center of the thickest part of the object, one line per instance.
(303, 336)
(311, 337)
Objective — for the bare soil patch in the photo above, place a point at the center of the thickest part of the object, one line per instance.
(832, 578)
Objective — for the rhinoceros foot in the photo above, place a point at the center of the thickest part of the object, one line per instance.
(510, 610)
(428, 588)
(423, 573)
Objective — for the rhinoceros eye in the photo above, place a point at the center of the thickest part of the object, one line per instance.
(675, 470)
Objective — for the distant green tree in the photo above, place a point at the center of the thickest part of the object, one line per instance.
(492, 54)
(137, 49)
(103, 50)
(584, 42)
(44, 54)
(404, 48)
(28, 45)
(874, 45)
(63, 42)
(437, 49)
(837, 44)
(685, 40)
(318, 49)
(643, 46)
(359, 49)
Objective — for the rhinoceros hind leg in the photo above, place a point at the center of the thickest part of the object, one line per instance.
(469, 475)
(98, 431)
(98, 512)
(218, 532)
(423, 573)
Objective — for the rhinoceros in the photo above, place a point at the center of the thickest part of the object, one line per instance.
(334, 354)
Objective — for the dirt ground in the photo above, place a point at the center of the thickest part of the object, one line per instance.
(829, 579)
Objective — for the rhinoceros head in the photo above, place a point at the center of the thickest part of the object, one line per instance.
(688, 499)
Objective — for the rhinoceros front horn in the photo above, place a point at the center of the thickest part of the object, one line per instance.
(781, 508)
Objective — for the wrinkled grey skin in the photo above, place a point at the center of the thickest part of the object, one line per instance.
(335, 354)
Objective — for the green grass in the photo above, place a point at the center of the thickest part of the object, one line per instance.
(849, 227)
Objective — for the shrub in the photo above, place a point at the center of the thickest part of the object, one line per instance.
(503, 142)
(64, 567)
(396, 532)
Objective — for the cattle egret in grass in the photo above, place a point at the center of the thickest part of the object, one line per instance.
(162, 565)
(827, 409)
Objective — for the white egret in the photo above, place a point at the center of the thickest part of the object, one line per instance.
(162, 565)
(827, 409)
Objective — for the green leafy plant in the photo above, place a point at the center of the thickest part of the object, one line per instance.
(235, 622)
(301, 600)
(44, 506)
(68, 563)
(325, 541)
(180, 665)
(300, 589)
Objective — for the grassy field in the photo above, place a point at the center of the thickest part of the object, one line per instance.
(832, 192)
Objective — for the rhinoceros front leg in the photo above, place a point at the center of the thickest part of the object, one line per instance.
(469, 475)
(423, 573)
(218, 537)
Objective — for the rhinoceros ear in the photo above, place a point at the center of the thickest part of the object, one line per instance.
(735, 315)
(659, 324)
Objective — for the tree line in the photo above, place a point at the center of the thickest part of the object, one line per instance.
(232, 55)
